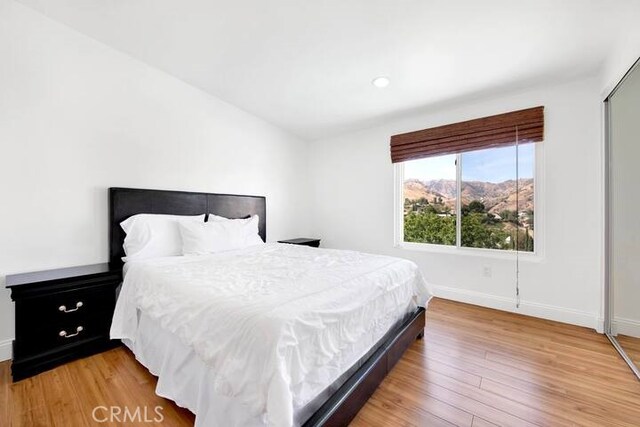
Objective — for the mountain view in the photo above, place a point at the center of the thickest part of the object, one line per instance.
(496, 197)
(494, 215)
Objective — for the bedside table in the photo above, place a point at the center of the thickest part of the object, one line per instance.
(61, 315)
(304, 241)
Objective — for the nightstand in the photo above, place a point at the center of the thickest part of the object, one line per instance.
(61, 315)
(304, 241)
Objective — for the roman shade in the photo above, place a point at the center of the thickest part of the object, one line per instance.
(493, 131)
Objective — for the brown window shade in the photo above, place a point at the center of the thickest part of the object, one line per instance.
(477, 134)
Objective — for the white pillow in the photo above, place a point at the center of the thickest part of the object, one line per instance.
(254, 234)
(214, 217)
(152, 236)
(219, 235)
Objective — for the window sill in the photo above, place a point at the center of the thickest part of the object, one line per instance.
(476, 252)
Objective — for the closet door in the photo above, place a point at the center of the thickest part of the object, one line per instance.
(623, 115)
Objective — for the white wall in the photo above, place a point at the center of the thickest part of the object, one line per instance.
(625, 198)
(77, 117)
(620, 59)
(353, 206)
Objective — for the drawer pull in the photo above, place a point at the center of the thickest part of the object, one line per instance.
(63, 308)
(64, 334)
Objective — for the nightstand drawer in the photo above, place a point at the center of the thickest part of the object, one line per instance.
(62, 308)
(61, 315)
(50, 336)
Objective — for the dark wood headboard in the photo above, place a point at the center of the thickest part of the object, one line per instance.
(125, 202)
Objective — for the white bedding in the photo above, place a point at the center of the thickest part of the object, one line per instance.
(274, 324)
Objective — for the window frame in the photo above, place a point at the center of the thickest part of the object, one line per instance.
(458, 249)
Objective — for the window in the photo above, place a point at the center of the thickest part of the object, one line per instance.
(471, 199)
(469, 184)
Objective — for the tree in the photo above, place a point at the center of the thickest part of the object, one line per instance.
(428, 227)
(490, 219)
(479, 230)
(476, 234)
(509, 216)
(476, 206)
(530, 216)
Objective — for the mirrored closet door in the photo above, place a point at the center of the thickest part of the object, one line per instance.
(623, 217)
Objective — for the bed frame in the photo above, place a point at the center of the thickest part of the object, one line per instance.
(343, 405)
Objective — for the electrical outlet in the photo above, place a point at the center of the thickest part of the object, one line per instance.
(486, 271)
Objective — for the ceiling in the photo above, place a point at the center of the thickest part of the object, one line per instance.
(306, 66)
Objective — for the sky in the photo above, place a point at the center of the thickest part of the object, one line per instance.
(490, 165)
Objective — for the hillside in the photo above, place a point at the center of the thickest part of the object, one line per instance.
(496, 197)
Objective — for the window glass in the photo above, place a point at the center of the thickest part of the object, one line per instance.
(429, 194)
(497, 212)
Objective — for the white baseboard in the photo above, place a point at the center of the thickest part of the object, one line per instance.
(6, 350)
(544, 311)
(623, 326)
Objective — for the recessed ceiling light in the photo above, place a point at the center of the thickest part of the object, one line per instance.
(381, 82)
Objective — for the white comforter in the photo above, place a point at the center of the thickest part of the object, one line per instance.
(274, 322)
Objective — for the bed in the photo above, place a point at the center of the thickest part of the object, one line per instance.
(270, 334)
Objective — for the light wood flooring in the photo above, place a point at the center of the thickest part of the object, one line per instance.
(476, 367)
(631, 346)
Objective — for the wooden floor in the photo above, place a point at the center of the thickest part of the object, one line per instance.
(631, 346)
(475, 367)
